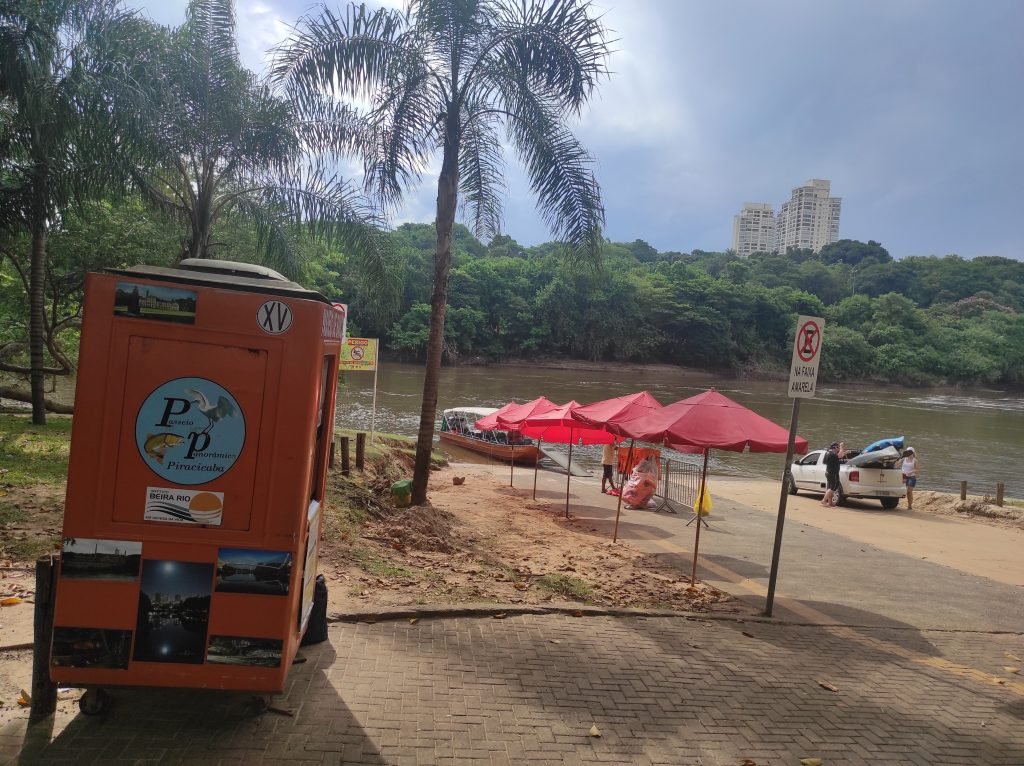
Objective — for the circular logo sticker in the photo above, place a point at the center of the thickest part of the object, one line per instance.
(274, 317)
(190, 430)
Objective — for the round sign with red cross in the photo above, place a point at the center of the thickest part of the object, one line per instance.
(808, 341)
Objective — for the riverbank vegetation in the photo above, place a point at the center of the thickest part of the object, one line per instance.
(916, 321)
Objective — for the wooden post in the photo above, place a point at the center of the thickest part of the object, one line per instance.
(345, 465)
(999, 494)
(44, 691)
(330, 456)
(360, 450)
(963, 490)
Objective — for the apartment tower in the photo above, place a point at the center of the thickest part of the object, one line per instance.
(753, 230)
(810, 219)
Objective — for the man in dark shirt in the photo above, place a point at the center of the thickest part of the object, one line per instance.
(831, 476)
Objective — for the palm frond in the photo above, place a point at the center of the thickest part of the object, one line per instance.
(333, 211)
(404, 121)
(481, 165)
(452, 29)
(558, 166)
(559, 47)
(353, 55)
(333, 128)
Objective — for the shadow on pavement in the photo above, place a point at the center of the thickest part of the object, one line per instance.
(174, 725)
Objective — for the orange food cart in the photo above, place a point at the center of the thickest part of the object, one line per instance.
(203, 422)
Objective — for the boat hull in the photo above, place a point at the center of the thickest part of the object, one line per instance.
(523, 454)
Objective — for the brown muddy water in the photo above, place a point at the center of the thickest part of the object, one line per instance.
(974, 435)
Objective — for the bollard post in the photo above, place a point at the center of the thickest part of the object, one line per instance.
(999, 494)
(44, 691)
(330, 456)
(345, 466)
(360, 450)
(963, 490)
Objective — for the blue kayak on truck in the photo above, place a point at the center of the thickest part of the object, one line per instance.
(892, 441)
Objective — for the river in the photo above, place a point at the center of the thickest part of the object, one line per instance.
(971, 435)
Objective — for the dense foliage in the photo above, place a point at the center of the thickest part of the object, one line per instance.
(916, 321)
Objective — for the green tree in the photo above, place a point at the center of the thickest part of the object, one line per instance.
(445, 76)
(61, 64)
(221, 149)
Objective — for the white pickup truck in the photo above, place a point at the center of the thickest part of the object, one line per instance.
(869, 475)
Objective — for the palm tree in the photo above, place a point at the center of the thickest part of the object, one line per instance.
(221, 147)
(447, 76)
(61, 62)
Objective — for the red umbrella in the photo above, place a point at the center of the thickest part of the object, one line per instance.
(612, 411)
(510, 419)
(490, 422)
(558, 425)
(704, 422)
(710, 421)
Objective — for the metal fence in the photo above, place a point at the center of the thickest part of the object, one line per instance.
(680, 483)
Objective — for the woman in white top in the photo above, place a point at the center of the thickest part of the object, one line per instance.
(910, 465)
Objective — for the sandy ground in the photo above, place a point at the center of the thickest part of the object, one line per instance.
(998, 531)
(483, 541)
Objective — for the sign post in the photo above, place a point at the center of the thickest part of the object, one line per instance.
(803, 382)
(360, 355)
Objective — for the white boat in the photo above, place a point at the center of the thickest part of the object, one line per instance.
(458, 428)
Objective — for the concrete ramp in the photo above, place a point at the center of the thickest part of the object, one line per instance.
(562, 461)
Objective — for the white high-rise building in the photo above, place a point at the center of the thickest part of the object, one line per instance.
(810, 219)
(753, 230)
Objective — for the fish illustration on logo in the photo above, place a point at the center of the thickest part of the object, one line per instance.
(157, 444)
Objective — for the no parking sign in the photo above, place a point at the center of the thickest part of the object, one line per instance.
(803, 369)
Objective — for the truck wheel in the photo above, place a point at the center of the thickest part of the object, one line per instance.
(791, 484)
(94, 701)
(889, 502)
(841, 497)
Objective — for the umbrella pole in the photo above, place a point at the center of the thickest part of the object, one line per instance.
(536, 466)
(700, 501)
(568, 474)
(622, 486)
(511, 461)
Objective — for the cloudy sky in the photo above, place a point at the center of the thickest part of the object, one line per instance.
(912, 108)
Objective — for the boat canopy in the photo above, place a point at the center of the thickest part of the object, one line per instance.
(470, 413)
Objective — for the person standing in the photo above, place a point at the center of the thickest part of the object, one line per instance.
(607, 461)
(910, 466)
(831, 476)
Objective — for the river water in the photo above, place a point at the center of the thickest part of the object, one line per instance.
(973, 435)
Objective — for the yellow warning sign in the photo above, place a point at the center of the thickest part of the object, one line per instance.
(358, 354)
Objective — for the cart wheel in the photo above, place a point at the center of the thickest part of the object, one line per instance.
(260, 704)
(94, 701)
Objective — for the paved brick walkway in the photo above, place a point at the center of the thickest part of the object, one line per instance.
(526, 690)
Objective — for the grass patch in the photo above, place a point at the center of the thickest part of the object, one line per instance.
(379, 566)
(26, 548)
(31, 454)
(10, 514)
(1014, 503)
(565, 585)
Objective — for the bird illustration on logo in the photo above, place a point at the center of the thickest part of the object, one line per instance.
(214, 412)
(157, 444)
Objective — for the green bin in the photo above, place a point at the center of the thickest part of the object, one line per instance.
(401, 492)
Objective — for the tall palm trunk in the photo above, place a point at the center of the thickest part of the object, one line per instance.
(36, 294)
(447, 201)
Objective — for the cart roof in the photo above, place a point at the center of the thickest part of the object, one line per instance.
(226, 275)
